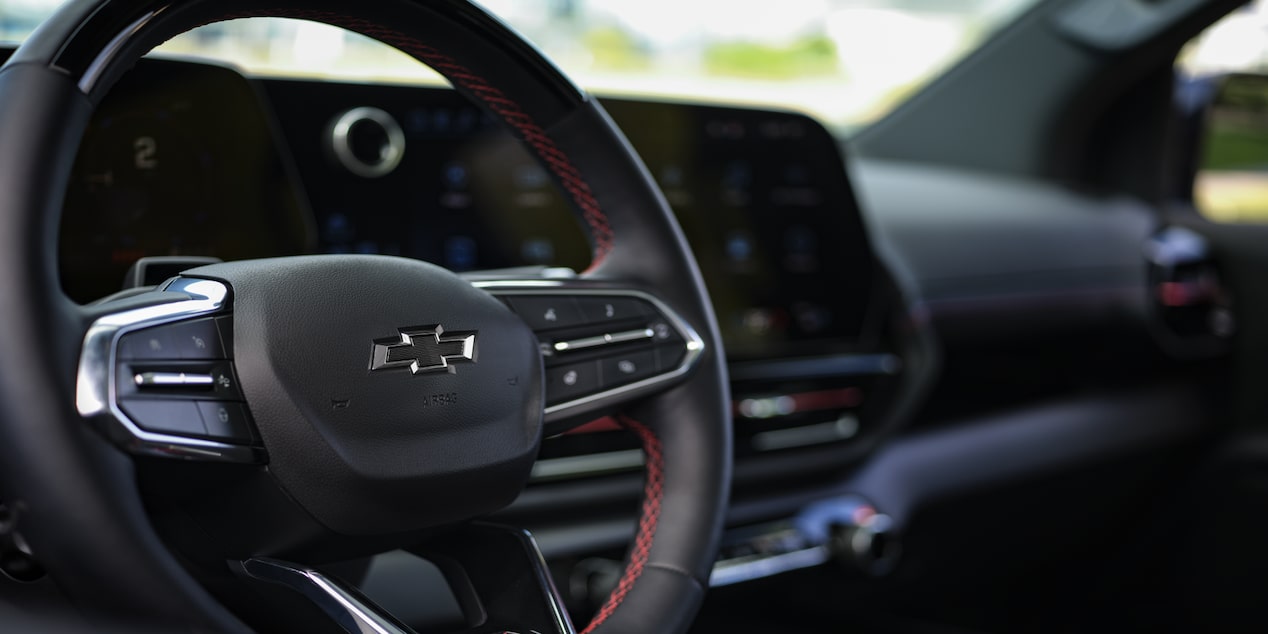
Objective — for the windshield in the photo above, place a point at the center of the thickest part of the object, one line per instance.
(847, 62)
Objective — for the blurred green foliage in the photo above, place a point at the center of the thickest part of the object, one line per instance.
(614, 49)
(807, 56)
(1233, 146)
(1236, 134)
(1232, 182)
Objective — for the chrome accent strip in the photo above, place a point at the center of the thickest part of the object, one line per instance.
(844, 428)
(586, 465)
(734, 571)
(95, 70)
(490, 285)
(349, 609)
(694, 344)
(631, 335)
(583, 343)
(172, 379)
(604, 340)
(95, 382)
(558, 613)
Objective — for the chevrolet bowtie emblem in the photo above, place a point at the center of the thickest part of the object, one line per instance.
(424, 349)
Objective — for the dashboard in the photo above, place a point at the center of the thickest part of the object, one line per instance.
(189, 160)
(196, 164)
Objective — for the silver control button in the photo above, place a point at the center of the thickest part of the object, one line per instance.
(173, 379)
(604, 340)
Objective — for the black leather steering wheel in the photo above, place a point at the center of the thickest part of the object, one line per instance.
(393, 402)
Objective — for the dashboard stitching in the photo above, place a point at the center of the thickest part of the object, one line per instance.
(653, 492)
(510, 111)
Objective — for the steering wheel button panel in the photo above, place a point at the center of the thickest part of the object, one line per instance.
(636, 335)
(151, 343)
(626, 368)
(570, 381)
(188, 379)
(138, 382)
(173, 379)
(546, 313)
(198, 339)
(669, 356)
(612, 309)
(166, 416)
(194, 340)
(600, 346)
(226, 420)
(664, 333)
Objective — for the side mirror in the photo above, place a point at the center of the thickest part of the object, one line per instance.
(1229, 115)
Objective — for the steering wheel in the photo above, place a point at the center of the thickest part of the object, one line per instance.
(192, 456)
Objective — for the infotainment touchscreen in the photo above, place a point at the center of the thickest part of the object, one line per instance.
(765, 204)
(762, 196)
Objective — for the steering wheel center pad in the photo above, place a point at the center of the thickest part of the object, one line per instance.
(377, 382)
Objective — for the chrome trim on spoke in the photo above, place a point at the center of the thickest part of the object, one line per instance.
(693, 343)
(740, 570)
(348, 608)
(489, 285)
(173, 379)
(558, 613)
(604, 340)
(95, 395)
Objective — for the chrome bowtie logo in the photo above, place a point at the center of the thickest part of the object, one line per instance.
(424, 349)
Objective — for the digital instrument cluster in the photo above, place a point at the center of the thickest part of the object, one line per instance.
(180, 159)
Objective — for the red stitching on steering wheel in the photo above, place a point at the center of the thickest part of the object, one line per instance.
(510, 111)
(653, 491)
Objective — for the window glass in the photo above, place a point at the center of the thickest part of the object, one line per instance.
(847, 62)
(1227, 68)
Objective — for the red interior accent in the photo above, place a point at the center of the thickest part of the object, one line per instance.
(1181, 294)
(607, 423)
(828, 399)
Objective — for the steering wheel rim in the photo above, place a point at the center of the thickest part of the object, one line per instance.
(57, 470)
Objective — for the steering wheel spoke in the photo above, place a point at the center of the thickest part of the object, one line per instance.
(496, 574)
(499, 578)
(603, 345)
(342, 603)
(156, 374)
